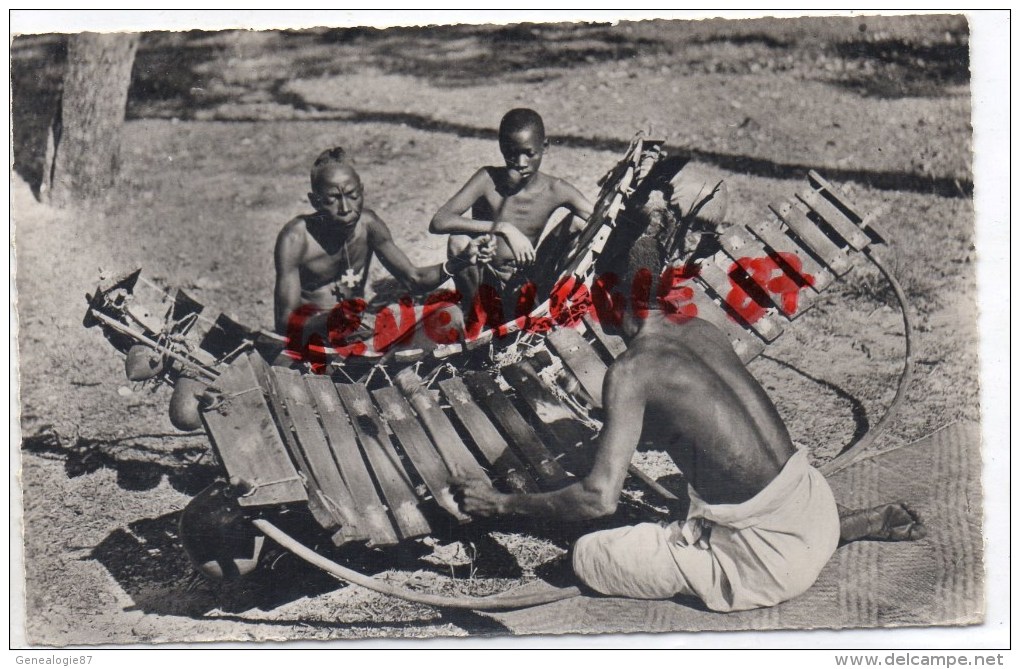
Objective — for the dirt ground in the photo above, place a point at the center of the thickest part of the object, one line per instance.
(222, 129)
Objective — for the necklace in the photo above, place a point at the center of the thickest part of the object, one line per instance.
(350, 277)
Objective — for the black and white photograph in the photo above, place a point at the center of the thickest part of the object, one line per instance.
(499, 328)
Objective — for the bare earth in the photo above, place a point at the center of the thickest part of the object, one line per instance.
(222, 128)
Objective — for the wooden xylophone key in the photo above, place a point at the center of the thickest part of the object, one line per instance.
(312, 441)
(580, 359)
(837, 197)
(186, 312)
(745, 345)
(419, 449)
(451, 447)
(344, 445)
(795, 216)
(226, 337)
(836, 219)
(756, 316)
(816, 275)
(487, 437)
(779, 277)
(248, 443)
(549, 473)
(396, 485)
(567, 434)
(324, 515)
(148, 304)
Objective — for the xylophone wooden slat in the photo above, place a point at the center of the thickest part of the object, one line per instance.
(745, 345)
(836, 196)
(382, 456)
(312, 441)
(548, 472)
(567, 434)
(323, 515)
(613, 343)
(795, 216)
(579, 357)
(738, 244)
(247, 441)
(768, 327)
(451, 447)
(419, 449)
(344, 446)
(488, 439)
(843, 226)
(779, 242)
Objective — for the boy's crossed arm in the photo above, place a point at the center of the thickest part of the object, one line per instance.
(450, 219)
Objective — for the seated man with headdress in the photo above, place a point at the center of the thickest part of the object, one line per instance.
(322, 259)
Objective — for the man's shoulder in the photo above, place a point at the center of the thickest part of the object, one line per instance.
(295, 226)
(647, 353)
(295, 230)
(631, 367)
(374, 225)
(371, 218)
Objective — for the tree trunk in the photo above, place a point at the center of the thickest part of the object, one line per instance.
(83, 150)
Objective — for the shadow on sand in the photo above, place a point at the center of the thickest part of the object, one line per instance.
(179, 74)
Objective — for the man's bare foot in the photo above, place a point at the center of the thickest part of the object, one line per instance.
(895, 522)
(886, 522)
(900, 523)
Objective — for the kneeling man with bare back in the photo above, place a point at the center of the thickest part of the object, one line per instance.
(762, 521)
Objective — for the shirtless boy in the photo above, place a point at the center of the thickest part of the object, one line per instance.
(323, 258)
(762, 521)
(510, 206)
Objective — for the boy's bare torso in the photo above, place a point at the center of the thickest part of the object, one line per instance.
(527, 209)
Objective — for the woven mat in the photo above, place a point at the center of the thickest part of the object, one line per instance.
(936, 581)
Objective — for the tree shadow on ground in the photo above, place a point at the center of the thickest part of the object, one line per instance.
(180, 74)
(138, 465)
(906, 69)
(468, 55)
(950, 187)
